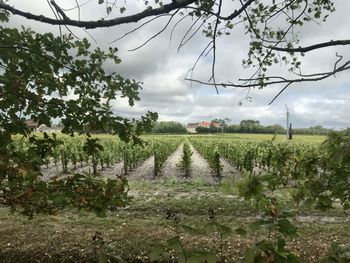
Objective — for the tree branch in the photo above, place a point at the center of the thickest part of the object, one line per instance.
(59, 10)
(279, 80)
(239, 11)
(233, 15)
(214, 48)
(157, 34)
(313, 47)
(174, 5)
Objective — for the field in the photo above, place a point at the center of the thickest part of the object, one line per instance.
(171, 196)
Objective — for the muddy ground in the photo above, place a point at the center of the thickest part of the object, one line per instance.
(131, 232)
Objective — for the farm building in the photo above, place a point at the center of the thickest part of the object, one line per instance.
(32, 125)
(54, 128)
(191, 127)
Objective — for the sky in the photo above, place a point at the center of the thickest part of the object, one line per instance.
(162, 69)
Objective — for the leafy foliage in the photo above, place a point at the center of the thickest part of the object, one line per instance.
(211, 153)
(338, 253)
(186, 161)
(162, 149)
(168, 127)
(43, 77)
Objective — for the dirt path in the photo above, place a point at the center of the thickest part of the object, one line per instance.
(111, 172)
(200, 167)
(171, 168)
(144, 171)
(228, 170)
(53, 172)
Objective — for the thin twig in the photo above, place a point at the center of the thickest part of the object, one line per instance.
(157, 34)
(137, 28)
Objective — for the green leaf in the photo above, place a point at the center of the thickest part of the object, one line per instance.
(210, 227)
(122, 10)
(253, 227)
(250, 255)
(241, 231)
(175, 243)
(197, 256)
(285, 227)
(100, 212)
(119, 259)
(156, 252)
(101, 257)
(225, 231)
(191, 230)
(59, 200)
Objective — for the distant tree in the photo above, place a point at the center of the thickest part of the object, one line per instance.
(249, 122)
(214, 128)
(201, 129)
(276, 128)
(316, 130)
(249, 126)
(254, 126)
(234, 128)
(168, 127)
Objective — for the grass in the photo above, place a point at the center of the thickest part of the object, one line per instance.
(235, 136)
(264, 137)
(73, 236)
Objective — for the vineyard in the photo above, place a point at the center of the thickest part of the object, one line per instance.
(203, 198)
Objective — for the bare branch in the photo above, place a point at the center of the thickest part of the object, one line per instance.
(187, 32)
(239, 11)
(214, 48)
(54, 13)
(59, 10)
(199, 57)
(157, 34)
(183, 41)
(137, 28)
(280, 92)
(78, 6)
(279, 80)
(176, 24)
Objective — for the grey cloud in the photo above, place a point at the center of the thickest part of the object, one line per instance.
(162, 70)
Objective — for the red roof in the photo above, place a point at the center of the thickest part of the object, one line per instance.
(216, 124)
(205, 124)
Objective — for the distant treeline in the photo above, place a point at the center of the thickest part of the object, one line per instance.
(168, 127)
(319, 130)
(245, 126)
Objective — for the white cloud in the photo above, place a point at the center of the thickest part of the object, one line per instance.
(162, 70)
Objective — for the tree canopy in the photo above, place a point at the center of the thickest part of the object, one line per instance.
(168, 127)
(42, 77)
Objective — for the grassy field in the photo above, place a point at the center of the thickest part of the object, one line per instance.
(73, 236)
(132, 232)
(236, 136)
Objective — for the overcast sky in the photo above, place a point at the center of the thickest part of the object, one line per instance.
(162, 70)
